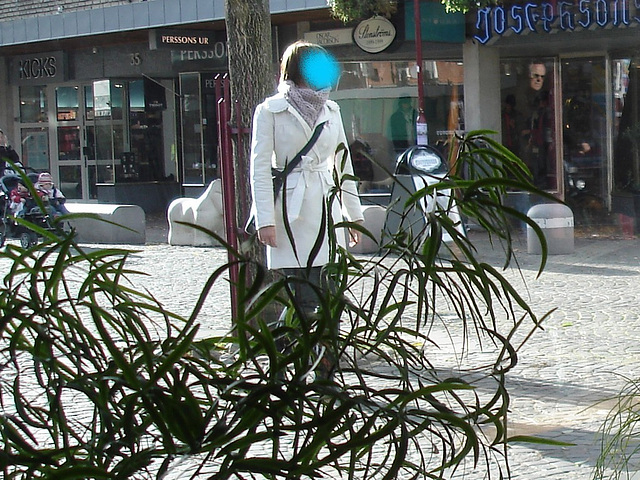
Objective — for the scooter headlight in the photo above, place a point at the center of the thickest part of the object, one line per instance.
(580, 184)
(424, 160)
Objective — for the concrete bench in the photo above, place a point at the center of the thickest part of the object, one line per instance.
(374, 217)
(91, 230)
(206, 211)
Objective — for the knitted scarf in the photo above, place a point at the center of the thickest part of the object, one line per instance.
(307, 102)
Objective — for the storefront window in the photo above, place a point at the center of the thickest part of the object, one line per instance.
(192, 135)
(626, 134)
(69, 143)
(379, 105)
(66, 103)
(35, 148)
(584, 129)
(104, 173)
(147, 101)
(625, 196)
(71, 181)
(33, 104)
(529, 117)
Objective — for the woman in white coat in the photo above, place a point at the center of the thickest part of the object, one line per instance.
(282, 125)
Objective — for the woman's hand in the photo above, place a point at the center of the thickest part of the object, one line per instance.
(267, 236)
(355, 235)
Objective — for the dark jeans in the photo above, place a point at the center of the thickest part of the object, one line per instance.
(304, 294)
(307, 299)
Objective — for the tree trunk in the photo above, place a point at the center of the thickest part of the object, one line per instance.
(251, 73)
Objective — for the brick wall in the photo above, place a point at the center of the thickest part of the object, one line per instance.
(13, 9)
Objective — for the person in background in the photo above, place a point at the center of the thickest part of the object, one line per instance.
(282, 125)
(21, 200)
(50, 193)
(402, 125)
(7, 153)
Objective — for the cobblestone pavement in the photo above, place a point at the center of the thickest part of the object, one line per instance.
(568, 374)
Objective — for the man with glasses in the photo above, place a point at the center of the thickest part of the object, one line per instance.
(537, 72)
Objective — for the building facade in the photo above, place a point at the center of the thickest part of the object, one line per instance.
(116, 98)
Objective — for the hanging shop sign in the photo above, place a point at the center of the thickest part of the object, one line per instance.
(546, 17)
(374, 35)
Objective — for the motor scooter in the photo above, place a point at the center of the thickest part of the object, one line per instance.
(588, 207)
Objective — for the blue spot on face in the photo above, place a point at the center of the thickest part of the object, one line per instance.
(319, 69)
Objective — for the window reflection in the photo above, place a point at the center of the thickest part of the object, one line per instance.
(69, 143)
(35, 148)
(66, 103)
(33, 104)
(379, 107)
(626, 162)
(528, 116)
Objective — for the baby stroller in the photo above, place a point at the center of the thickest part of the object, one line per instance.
(32, 213)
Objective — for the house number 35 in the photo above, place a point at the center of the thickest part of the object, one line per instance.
(135, 59)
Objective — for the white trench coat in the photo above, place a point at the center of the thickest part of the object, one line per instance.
(279, 133)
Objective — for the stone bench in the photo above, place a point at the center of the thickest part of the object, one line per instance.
(91, 230)
(374, 218)
(206, 211)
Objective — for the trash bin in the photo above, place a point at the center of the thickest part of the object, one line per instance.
(556, 222)
(417, 167)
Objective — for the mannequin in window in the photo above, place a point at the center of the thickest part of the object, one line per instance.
(536, 136)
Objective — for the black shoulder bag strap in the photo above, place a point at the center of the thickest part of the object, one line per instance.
(278, 176)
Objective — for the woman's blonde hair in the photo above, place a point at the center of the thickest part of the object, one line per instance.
(291, 60)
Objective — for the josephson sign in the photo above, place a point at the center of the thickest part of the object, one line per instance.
(492, 22)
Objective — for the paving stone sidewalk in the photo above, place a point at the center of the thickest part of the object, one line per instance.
(568, 374)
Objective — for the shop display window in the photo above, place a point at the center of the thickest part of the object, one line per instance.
(69, 143)
(33, 104)
(144, 160)
(192, 129)
(70, 181)
(67, 103)
(584, 135)
(379, 102)
(88, 102)
(529, 116)
(35, 148)
(626, 126)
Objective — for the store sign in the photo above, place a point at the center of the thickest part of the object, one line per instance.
(546, 17)
(217, 57)
(330, 38)
(191, 46)
(184, 39)
(436, 24)
(37, 68)
(374, 35)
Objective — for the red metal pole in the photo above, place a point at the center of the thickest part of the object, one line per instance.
(421, 121)
(228, 185)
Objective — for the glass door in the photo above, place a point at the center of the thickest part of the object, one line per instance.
(584, 107)
(70, 138)
(199, 129)
(192, 139)
(76, 132)
(106, 130)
